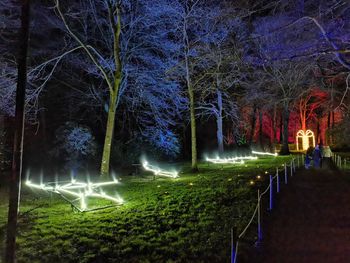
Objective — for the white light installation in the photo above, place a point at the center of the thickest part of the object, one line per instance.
(231, 160)
(305, 137)
(158, 171)
(264, 153)
(80, 190)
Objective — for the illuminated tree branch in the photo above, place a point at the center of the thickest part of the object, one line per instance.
(84, 46)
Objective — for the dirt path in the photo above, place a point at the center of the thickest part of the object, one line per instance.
(311, 222)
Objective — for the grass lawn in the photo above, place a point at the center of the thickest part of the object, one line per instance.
(187, 219)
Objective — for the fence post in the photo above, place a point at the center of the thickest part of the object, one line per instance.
(233, 250)
(302, 159)
(337, 160)
(271, 192)
(294, 168)
(285, 174)
(298, 161)
(278, 180)
(259, 219)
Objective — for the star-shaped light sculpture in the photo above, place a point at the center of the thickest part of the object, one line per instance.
(158, 171)
(80, 190)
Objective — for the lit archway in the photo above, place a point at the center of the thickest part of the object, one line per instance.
(305, 137)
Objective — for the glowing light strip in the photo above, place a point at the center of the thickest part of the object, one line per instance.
(248, 158)
(224, 160)
(264, 153)
(157, 171)
(85, 190)
(231, 160)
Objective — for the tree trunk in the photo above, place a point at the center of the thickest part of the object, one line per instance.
(15, 179)
(303, 123)
(285, 148)
(318, 137)
(253, 122)
(281, 129)
(113, 95)
(261, 129)
(2, 141)
(328, 137)
(274, 125)
(184, 143)
(219, 131)
(190, 90)
(193, 130)
(109, 136)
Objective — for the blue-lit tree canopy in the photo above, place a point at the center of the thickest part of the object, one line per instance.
(156, 66)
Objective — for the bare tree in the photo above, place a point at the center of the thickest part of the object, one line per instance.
(288, 81)
(308, 103)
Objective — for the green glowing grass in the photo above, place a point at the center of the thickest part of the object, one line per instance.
(164, 220)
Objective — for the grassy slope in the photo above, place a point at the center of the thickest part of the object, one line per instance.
(163, 220)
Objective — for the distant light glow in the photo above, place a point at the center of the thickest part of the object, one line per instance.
(264, 153)
(305, 138)
(80, 190)
(231, 160)
(158, 171)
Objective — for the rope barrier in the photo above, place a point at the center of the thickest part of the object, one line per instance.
(234, 249)
(250, 222)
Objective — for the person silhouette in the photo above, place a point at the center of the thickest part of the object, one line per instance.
(317, 156)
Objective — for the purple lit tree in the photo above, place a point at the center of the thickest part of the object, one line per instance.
(125, 73)
(220, 73)
(185, 27)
